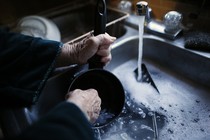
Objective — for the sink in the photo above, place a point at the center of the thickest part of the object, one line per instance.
(172, 104)
(178, 109)
(182, 103)
(75, 23)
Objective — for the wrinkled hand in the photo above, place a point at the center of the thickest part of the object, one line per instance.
(88, 101)
(80, 52)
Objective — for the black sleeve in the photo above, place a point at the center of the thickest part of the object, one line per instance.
(64, 122)
(25, 64)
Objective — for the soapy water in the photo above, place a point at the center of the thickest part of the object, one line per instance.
(134, 123)
(104, 117)
(187, 116)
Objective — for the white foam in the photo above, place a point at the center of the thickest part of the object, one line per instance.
(188, 116)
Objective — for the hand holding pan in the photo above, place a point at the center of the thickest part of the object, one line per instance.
(109, 87)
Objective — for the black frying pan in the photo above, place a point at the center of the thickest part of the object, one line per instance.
(109, 87)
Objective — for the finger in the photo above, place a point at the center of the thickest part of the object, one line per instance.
(92, 91)
(106, 46)
(111, 37)
(104, 39)
(103, 53)
(97, 102)
(94, 116)
(106, 59)
(68, 94)
(92, 95)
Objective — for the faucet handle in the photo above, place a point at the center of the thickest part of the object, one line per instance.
(172, 21)
(125, 5)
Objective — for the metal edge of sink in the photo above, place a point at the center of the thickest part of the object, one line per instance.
(64, 15)
(198, 66)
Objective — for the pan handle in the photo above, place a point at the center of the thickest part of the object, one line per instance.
(99, 28)
(100, 17)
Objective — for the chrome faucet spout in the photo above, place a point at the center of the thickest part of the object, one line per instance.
(142, 8)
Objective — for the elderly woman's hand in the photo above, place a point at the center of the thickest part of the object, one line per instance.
(88, 101)
(80, 52)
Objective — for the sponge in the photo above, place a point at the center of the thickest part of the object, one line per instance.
(197, 41)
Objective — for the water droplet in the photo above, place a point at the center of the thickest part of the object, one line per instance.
(161, 108)
(170, 131)
(182, 110)
(131, 122)
(129, 103)
(124, 136)
(196, 120)
(150, 113)
(97, 134)
(149, 138)
(197, 101)
(143, 115)
(134, 128)
(102, 131)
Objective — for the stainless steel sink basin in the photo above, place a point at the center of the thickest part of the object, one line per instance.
(76, 22)
(182, 78)
(158, 51)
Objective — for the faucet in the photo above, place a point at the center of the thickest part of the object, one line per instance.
(144, 10)
(157, 27)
